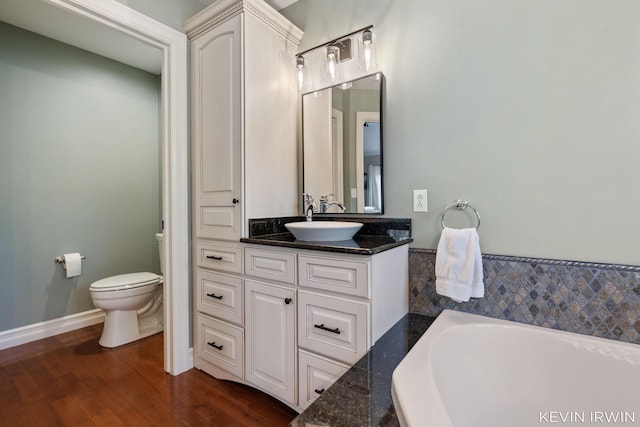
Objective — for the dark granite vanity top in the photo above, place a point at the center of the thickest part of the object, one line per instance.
(362, 396)
(376, 235)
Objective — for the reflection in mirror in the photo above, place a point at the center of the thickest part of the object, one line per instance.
(342, 146)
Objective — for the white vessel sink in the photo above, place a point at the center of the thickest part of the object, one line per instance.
(323, 231)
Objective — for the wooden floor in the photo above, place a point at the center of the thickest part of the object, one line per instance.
(69, 380)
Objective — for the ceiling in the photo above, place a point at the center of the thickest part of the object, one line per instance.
(54, 22)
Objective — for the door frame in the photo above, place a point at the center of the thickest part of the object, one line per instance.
(362, 117)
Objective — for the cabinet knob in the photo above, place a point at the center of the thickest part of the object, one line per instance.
(235, 201)
(287, 300)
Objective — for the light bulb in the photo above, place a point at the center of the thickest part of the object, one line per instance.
(333, 58)
(332, 66)
(367, 56)
(367, 50)
(300, 66)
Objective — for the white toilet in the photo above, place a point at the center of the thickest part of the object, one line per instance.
(132, 304)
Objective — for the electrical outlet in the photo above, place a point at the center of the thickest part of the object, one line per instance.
(420, 200)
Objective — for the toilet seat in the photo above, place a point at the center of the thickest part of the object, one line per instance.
(125, 282)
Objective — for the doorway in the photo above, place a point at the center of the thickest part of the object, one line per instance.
(101, 27)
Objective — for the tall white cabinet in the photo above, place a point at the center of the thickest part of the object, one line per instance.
(243, 109)
(244, 165)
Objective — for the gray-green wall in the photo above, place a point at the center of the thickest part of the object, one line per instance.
(170, 12)
(79, 172)
(529, 108)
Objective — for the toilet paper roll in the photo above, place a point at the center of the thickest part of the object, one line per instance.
(73, 264)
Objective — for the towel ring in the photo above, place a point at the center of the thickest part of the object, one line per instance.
(460, 204)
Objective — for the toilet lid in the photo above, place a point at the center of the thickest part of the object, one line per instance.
(125, 281)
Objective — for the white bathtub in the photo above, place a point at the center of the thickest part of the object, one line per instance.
(470, 370)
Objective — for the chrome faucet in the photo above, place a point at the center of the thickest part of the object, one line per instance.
(309, 206)
(325, 203)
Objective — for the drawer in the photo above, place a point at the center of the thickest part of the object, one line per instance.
(333, 326)
(221, 344)
(343, 276)
(316, 374)
(272, 265)
(219, 295)
(226, 258)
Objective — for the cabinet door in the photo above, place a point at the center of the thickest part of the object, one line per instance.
(270, 338)
(217, 132)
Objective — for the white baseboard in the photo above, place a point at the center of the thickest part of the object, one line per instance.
(29, 333)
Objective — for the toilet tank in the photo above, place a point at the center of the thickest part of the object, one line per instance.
(160, 251)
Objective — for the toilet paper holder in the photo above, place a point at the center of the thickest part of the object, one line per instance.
(60, 259)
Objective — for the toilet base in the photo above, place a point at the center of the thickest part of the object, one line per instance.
(123, 327)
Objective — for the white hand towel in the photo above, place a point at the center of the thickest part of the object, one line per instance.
(459, 265)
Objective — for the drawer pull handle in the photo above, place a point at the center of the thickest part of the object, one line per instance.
(319, 391)
(235, 201)
(217, 258)
(287, 300)
(324, 328)
(213, 344)
(212, 295)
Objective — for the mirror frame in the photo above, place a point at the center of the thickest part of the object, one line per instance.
(381, 120)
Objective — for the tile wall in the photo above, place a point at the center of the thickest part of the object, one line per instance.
(594, 299)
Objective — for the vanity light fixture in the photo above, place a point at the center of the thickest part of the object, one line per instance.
(367, 50)
(300, 66)
(339, 50)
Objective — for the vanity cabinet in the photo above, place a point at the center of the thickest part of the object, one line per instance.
(310, 315)
(305, 317)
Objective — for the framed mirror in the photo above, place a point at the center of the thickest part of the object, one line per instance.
(342, 146)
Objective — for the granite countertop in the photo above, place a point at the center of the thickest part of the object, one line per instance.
(362, 396)
(376, 235)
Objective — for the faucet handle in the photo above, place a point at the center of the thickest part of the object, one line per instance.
(325, 197)
(308, 198)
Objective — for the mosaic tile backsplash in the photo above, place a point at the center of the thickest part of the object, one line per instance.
(601, 300)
